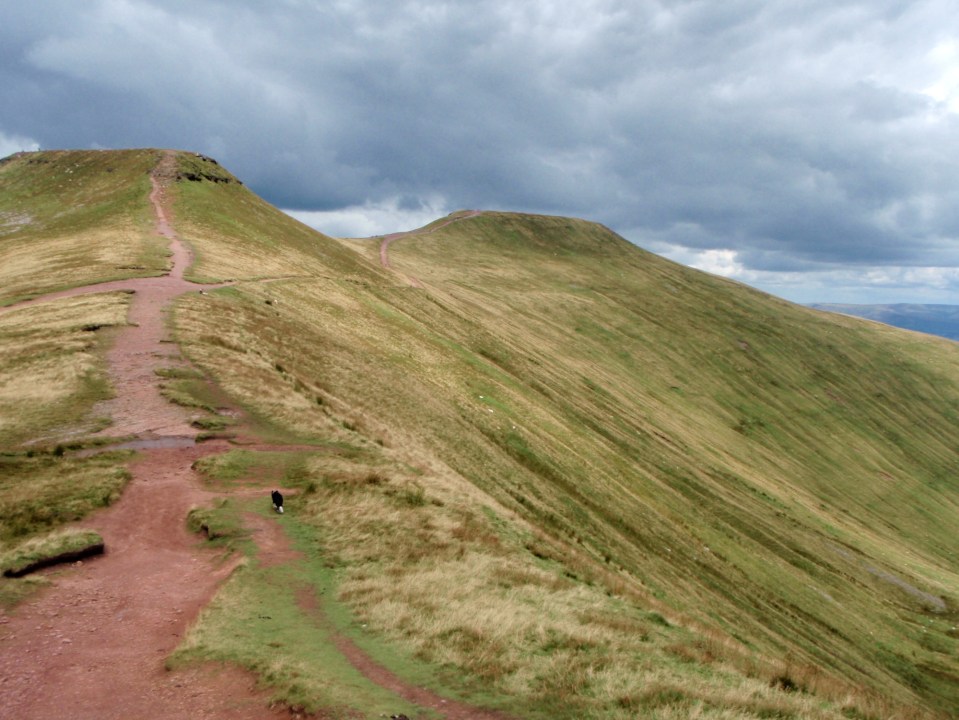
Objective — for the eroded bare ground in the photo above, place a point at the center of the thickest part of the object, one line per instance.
(93, 645)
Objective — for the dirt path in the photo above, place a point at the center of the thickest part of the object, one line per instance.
(393, 237)
(138, 408)
(273, 548)
(92, 646)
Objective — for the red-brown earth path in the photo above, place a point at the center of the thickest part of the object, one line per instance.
(92, 645)
(393, 237)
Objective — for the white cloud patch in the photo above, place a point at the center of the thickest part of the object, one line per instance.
(866, 284)
(10, 144)
(372, 219)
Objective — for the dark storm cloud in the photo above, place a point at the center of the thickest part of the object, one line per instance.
(796, 136)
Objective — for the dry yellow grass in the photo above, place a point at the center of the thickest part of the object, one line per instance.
(236, 235)
(76, 218)
(44, 265)
(457, 587)
(40, 493)
(52, 370)
(440, 397)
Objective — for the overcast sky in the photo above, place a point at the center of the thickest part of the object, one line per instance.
(806, 147)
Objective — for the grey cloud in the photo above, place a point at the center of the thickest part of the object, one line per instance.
(799, 136)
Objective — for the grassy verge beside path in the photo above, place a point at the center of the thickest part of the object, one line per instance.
(259, 620)
(52, 370)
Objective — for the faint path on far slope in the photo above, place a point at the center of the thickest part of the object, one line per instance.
(393, 237)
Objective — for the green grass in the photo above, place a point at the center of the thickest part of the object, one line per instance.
(367, 552)
(703, 442)
(52, 370)
(39, 493)
(219, 524)
(261, 621)
(70, 218)
(15, 591)
(189, 388)
(285, 468)
(179, 373)
(236, 235)
(48, 548)
(41, 490)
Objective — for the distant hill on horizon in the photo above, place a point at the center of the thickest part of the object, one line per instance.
(941, 320)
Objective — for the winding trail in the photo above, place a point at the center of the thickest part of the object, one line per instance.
(92, 645)
(138, 408)
(393, 237)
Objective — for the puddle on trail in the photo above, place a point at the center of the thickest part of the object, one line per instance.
(159, 443)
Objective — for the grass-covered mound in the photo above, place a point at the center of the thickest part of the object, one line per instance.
(234, 234)
(59, 547)
(70, 218)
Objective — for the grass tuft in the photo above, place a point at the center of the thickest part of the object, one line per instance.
(58, 547)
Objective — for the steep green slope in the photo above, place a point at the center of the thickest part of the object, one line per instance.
(235, 235)
(813, 456)
(778, 479)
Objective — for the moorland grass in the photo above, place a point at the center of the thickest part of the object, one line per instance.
(39, 492)
(236, 235)
(279, 468)
(66, 219)
(52, 370)
(671, 489)
(703, 443)
(263, 619)
(540, 643)
(39, 551)
(220, 523)
(70, 218)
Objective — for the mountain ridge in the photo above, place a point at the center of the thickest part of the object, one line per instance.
(565, 423)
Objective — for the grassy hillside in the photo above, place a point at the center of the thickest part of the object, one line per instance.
(569, 478)
(235, 235)
(70, 218)
(777, 481)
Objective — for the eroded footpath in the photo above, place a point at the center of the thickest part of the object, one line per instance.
(92, 646)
